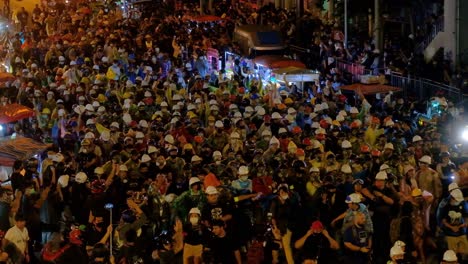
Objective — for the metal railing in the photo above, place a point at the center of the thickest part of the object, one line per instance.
(437, 27)
(411, 86)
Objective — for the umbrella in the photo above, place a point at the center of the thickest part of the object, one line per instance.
(6, 77)
(14, 112)
(368, 89)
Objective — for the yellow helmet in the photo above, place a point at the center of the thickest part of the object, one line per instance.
(46, 111)
(101, 98)
(288, 101)
(85, 142)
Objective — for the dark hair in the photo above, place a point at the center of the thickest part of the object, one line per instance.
(17, 164)
(218, 222)
(19, 217)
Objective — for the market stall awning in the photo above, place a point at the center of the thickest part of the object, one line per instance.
(367, 89)
(6, 77)
(276, 62)
(20, 148)
(14, 112)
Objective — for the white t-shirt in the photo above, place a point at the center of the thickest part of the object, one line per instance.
(18, 237)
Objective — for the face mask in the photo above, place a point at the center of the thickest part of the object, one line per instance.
(244, 178)
(218, 162)
(85, 151)
(124, 180)
(194, 220)
(284, 197)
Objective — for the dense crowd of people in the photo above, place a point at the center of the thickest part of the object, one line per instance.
(157, 158)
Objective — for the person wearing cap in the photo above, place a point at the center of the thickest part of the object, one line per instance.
(354, 202)
(214, 208)
(429, 179)
(408, 183)
(194, 235)
(242, 190)
(317, 245)
(452, 218)
(193, 197)
(382, 200)
(219, 138)
(450, 257)
(87, 160)
(73, 75)
(357, 241)
(397, 255)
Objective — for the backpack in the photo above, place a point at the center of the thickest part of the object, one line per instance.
(395, 225)
(255, 254)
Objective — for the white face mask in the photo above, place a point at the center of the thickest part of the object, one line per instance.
(124, 180)
(244, 178)
(194, 220)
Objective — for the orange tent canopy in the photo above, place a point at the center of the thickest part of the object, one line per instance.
(368, 89)
(277, 62)
(6, 77)
(14, 112)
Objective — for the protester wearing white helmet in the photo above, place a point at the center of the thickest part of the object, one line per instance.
(428, 178)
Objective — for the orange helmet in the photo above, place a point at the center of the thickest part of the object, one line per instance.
(375, 120)
(300, 152)
(296, 130)
(324, 123)
(198, 139)
(320, 136)
(365, 149)
(375, 153)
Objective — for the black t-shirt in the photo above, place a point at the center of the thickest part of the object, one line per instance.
(169, 257)
(4, 219)
(223, 248)
(216, 211)
(316, 247)
(93, 236)
(17, 181)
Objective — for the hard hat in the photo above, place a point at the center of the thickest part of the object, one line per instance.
(381, 175)
(243, 170)
(417, 138)
(346, 169)
(346, 144)
(81, 177)
(426, 159)
(196, 158)
(169, 139)
(195, 210)
(219, 124)
(194, 180)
